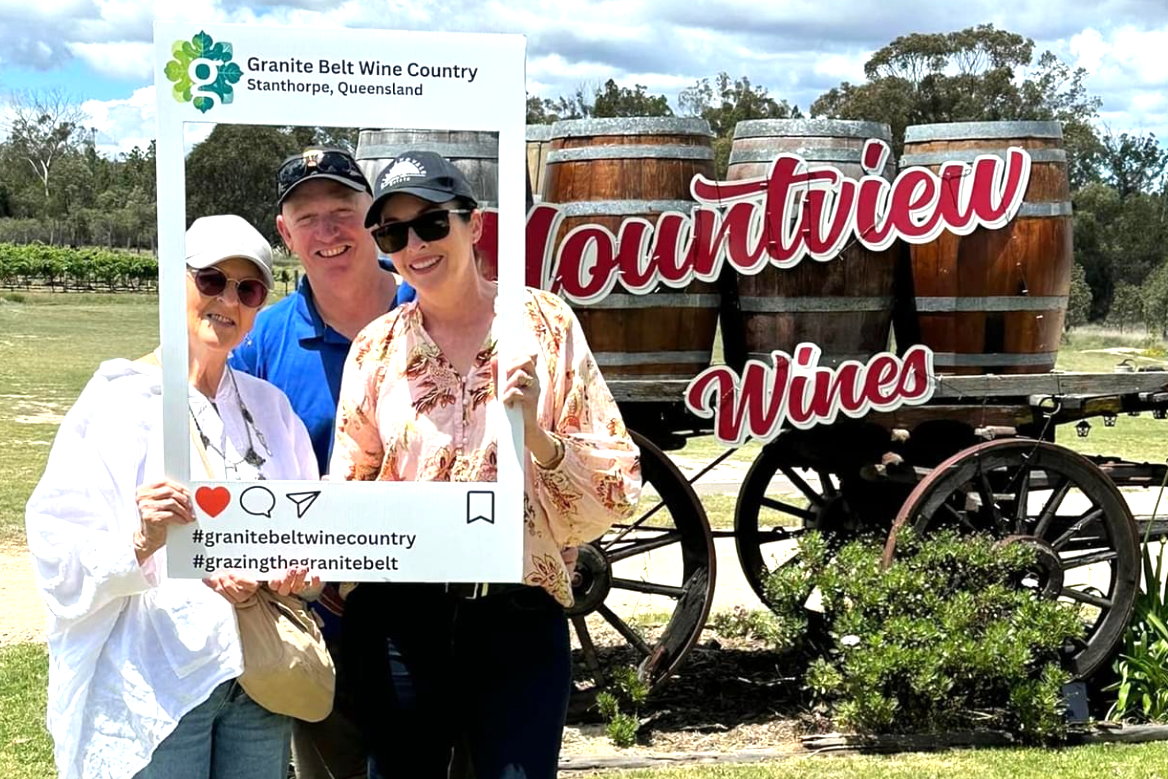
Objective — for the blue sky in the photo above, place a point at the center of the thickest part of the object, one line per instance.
(99, 51)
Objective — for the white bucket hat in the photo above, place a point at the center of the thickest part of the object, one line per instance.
(213, 239)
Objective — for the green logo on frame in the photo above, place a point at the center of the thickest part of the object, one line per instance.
(202, 72)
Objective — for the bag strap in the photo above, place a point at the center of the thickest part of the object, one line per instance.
(153, 360)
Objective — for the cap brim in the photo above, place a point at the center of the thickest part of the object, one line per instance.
(373, 215)
(208, 260)
(317, 177)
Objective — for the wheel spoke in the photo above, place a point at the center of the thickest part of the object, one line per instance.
(825, 481)
(636, 525)
(1086, 597)
(801, 485)
(1022, 501)
(777, 534)
(630, 635)
(962, 517)
(1070, 563)
(636, 547)
(787, 508)
(591, 657)
(650, 588)
(986, 493)
(1082, 522)
(1052, 503)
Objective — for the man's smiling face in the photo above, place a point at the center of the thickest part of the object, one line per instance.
(322, 223)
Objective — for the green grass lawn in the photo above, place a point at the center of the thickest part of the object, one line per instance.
(1145, 761)
(26, 750)
(50, 346)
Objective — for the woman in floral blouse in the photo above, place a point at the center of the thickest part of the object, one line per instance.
(490, 665)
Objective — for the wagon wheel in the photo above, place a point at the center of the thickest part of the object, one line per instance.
(643, 590)
(829, 497)
(1057, 502)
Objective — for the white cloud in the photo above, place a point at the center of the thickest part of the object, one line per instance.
(797, 49)
(123, 60)
(121, 125)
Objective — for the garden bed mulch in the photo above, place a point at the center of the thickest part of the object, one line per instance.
(734, 702)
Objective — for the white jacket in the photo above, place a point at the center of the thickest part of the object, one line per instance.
(130, 650)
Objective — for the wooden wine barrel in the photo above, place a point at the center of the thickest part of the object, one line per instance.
(539, 139)
(604, 171)
(476, 154)
(843, 305)
(994, 301)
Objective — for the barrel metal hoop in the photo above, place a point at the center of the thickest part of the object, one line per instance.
(631, 153)
(623, 207)
(970, 155)
(1051, 210)
(808, 305)
(539, 132)
(807, 153)
(955, 360)
(632, 125)
(973, 131)
(473, 151)
(809, 128)
(653, 300)
(652, 358)
(993, 303)
(826, 358)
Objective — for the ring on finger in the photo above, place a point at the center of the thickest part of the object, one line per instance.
(526, 381)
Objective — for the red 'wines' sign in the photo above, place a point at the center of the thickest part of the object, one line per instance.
(803, 394)
(797, 211)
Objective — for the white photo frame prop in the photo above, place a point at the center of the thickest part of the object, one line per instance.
(344, 531)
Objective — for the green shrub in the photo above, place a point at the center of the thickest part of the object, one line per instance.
(759, 625)
(1142, 667)
(942, 639)
(620, 705)
(622, 729)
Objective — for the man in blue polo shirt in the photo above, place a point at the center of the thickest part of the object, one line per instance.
(300, 345)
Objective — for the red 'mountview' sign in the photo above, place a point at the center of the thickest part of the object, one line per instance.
(799, 211)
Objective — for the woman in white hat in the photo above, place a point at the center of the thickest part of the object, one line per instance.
(142, 667)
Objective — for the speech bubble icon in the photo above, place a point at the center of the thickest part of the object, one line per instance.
(258, 501)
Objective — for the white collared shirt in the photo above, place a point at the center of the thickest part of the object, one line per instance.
(130, 650)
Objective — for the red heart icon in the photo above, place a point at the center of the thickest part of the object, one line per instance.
(212, 500)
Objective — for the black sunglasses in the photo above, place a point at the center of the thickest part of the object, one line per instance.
(212, 282)
(433, 225)
(301, 166)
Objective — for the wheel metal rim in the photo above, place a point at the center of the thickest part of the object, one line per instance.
(930, 495)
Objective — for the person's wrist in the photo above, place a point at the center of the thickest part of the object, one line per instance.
(143, 549)
(555, 458)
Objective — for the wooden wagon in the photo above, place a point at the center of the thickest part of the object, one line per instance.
(982, 456)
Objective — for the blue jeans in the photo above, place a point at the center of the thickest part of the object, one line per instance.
(227, 736)
(435, 669)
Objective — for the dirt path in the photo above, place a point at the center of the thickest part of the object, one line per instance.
(24, 618)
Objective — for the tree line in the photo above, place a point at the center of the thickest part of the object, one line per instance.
(55, 188)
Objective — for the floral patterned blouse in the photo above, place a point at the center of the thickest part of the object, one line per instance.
(405, 414)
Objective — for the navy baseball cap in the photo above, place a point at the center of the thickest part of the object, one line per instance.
(319, 162)
(423, 174)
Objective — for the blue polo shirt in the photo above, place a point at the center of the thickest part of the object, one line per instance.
(292, 347)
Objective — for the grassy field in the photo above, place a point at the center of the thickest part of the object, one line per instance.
(50, 346)
(26, 752)
(25, 747)
(1147, 761)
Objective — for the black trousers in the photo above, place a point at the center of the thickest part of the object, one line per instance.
(430, 668)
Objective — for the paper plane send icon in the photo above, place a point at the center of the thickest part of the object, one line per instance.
(303, 501)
